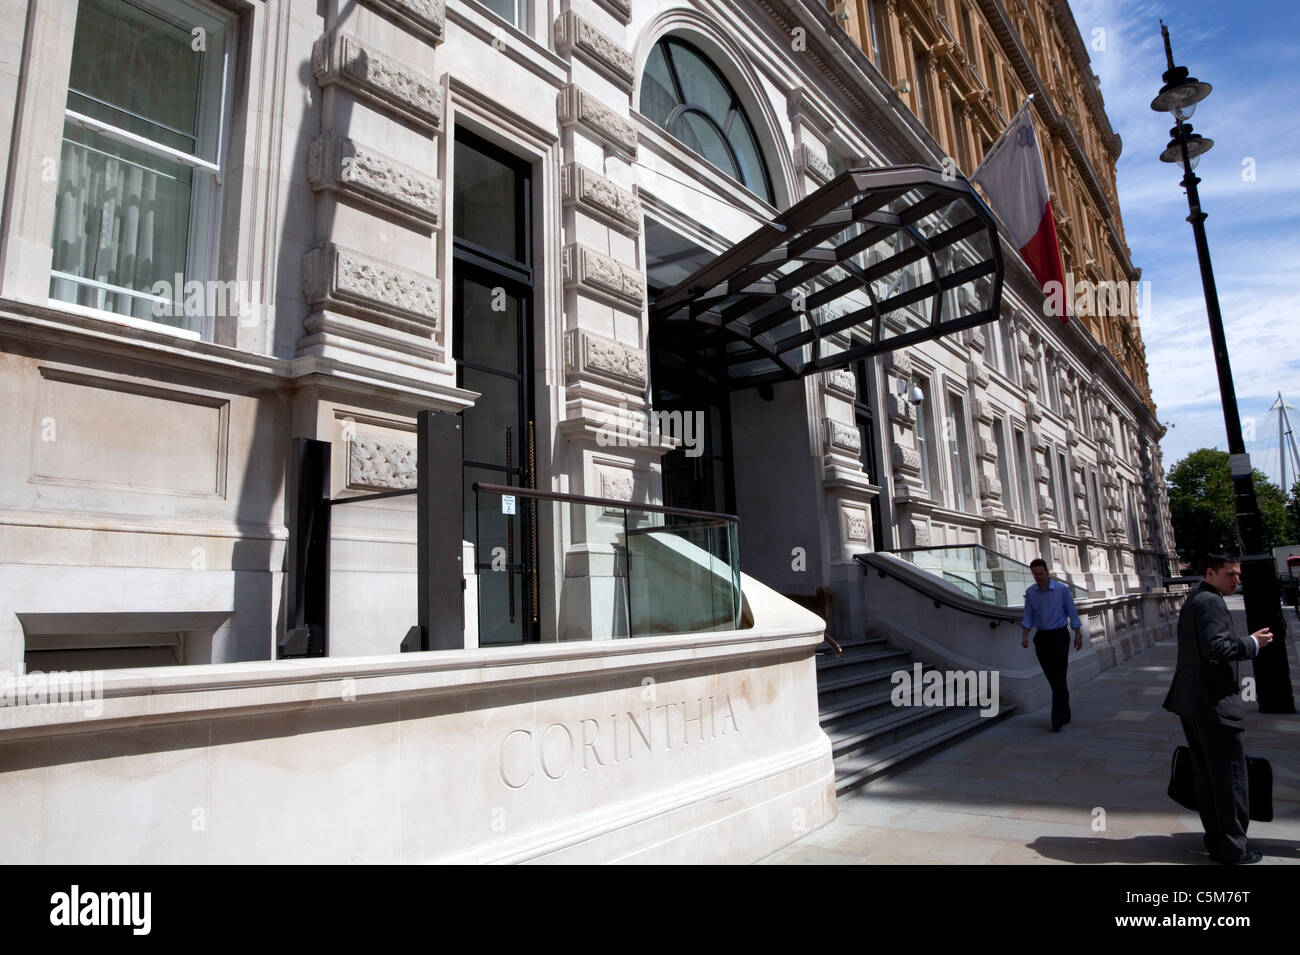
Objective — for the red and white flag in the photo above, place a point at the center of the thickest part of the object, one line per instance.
(1013, 177)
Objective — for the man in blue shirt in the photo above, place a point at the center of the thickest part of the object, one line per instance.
(1049, 606)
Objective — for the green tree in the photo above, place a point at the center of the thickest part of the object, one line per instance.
(1201, 506)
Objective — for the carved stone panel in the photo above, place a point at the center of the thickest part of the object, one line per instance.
(575, 35)
(348, 167)
(381, 464)
(616, 484)
(899, 408)
(341, 58)
(577, 106)
(589, 354)
(425, 18)
(808, 162)
(601, 197)
(906, 459)
(588, 270)
(855, 525)
(899, 363)
(347, 281)
(841, 382)
(841, 437)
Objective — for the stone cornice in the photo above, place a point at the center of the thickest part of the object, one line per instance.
(799, 105)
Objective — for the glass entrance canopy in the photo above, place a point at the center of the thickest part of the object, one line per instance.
(874, 260)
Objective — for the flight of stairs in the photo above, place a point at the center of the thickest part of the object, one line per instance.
(870, 737)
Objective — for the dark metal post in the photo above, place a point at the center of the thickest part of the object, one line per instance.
(440, 522)
(307, 560)
(1259, 585)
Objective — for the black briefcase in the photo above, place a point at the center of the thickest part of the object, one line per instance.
(1182, 787)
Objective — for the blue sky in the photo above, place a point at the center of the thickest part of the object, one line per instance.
(1250, 52)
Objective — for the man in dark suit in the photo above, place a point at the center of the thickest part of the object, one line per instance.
(1206, 697)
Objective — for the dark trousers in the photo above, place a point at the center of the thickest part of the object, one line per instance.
(1053, 650)
(1222, 784)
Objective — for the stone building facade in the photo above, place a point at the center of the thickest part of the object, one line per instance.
(307, 165)
(229, 224)
(1053, 441)
(965, 66)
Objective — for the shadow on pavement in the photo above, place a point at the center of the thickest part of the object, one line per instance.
(1184, 848)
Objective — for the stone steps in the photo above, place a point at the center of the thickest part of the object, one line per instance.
(852, 772)
(870, 736)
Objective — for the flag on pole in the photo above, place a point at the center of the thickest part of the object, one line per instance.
(1013, 177)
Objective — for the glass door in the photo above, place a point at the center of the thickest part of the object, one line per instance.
(492, 285)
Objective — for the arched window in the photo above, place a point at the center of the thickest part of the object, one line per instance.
(685, 94)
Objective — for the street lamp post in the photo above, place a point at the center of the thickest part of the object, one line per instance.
(1263, 599)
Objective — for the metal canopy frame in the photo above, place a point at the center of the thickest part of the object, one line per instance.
(862, 266)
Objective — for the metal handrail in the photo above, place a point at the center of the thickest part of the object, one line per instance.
(994, 617)
(703, 525)
(1001, 556)
(602, 502)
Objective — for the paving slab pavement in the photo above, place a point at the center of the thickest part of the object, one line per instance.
(1092, 794)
